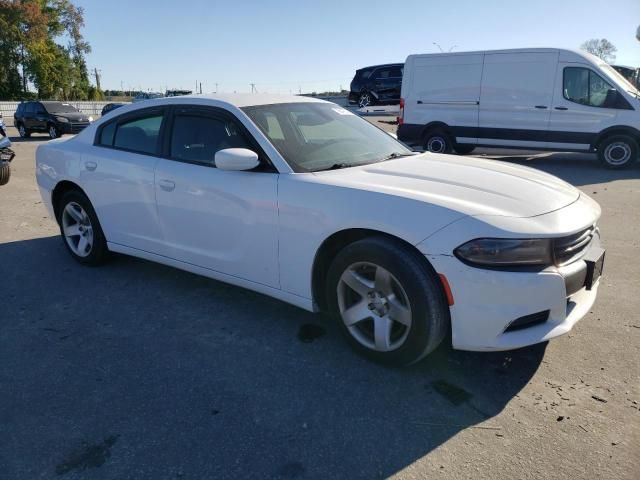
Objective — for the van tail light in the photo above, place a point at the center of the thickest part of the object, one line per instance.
(401, 115)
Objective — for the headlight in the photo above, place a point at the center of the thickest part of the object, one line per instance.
(62, 119)
(91, 119)
(506, 252)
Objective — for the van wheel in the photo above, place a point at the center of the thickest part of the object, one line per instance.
(437, 141)
(618, 151)
(24, 133)
(387, 301)
(464, 149)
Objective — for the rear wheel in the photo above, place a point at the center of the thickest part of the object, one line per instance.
(23, 132)
(437, 141)
(463, 149)
(618, 151)
(365, 100)
(388, 302)
(80, 229)
(5, 173)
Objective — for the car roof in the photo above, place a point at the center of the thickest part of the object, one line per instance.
(233, 99)
(382, 65)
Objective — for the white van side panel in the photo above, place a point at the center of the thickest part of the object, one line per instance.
(444, 88)
(516, 95)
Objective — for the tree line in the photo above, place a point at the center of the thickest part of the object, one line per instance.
(32, 53)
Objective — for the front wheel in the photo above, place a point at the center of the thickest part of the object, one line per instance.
(53, 132)
(618, 151)
(388, 301)
(365, 100)
(80, 229)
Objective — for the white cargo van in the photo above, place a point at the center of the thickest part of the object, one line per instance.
(546, 99)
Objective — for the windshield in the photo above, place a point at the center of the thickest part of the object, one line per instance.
(59, 108)
(620, 79)
(320, 136)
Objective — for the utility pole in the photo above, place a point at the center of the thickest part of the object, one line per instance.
(200, 88)
(253, 88)
(216, 88)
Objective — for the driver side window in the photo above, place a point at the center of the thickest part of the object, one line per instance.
(583, 86)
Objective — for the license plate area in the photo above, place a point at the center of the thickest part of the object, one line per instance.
(595, 265)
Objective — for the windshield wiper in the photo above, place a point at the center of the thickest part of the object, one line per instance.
(393, 155)
(335, 166)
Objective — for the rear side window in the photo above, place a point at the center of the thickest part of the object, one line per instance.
(583, 86)
(396, 72)
(197, 138)
(139, 135)
(107, 133)
(363, 74)
(383, 73)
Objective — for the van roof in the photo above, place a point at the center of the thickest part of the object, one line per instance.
(569, 54)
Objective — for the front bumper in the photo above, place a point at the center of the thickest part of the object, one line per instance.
(486, 302)
(72, 127)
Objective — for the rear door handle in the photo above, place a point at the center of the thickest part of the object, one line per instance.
(91, 166)
(167, 185)
(541, 107)
(561, 108)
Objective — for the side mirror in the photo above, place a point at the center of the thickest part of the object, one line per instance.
(236, 159)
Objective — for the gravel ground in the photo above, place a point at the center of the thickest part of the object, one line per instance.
(140, 371)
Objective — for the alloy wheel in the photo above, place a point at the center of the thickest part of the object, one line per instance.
(364, 100)
(77, 229)
(53, 133)
(374, 307)
(22, 131)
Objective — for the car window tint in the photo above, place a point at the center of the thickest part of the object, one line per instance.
(106, 135)
(139, 135)
(268, 122)
(383, 73)
(396, 72)
(583, 86)
(196, 138)
(29, 108)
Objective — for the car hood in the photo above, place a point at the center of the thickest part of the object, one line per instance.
(471, 186)
(73, 116)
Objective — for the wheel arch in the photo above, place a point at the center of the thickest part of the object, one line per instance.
(435, 125)
(616, 130)
(333, 244)
(59, 190)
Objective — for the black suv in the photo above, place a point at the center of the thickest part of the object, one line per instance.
(377, 85)
(54, 118)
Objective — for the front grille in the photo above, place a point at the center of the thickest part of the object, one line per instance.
(570, 248)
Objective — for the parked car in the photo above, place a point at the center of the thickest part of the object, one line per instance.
(54, 118)
(377, 85)
(147, 96)
(3, 127)
(110, 107)
(631, 74)
(304, 201)
(6, 155)
(546, 99)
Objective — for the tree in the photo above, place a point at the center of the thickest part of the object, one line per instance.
(31, 51)
(600, 47)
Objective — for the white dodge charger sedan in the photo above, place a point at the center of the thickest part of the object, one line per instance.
(301, 200)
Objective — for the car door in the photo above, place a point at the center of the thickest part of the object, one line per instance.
(516, 97)
(118, 175)
(580, 110)
(28, 118)
(384, 84)
(224, 221)
(40, 117)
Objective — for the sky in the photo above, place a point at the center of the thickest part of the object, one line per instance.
(287, 46)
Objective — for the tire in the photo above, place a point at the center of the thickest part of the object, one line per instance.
(5, 173)
(437, 141)
(3, 132)
(464, 149)
(23, 132)
(54, 132)
(405, 284)
(365, 100)
(73, 228)
(618, 151)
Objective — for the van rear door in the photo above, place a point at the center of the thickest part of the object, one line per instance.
(446, 89)
(516, 97)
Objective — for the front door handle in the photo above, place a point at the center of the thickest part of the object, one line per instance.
(541, 107)
(561, 108)
(167, 185)
(91, 166)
